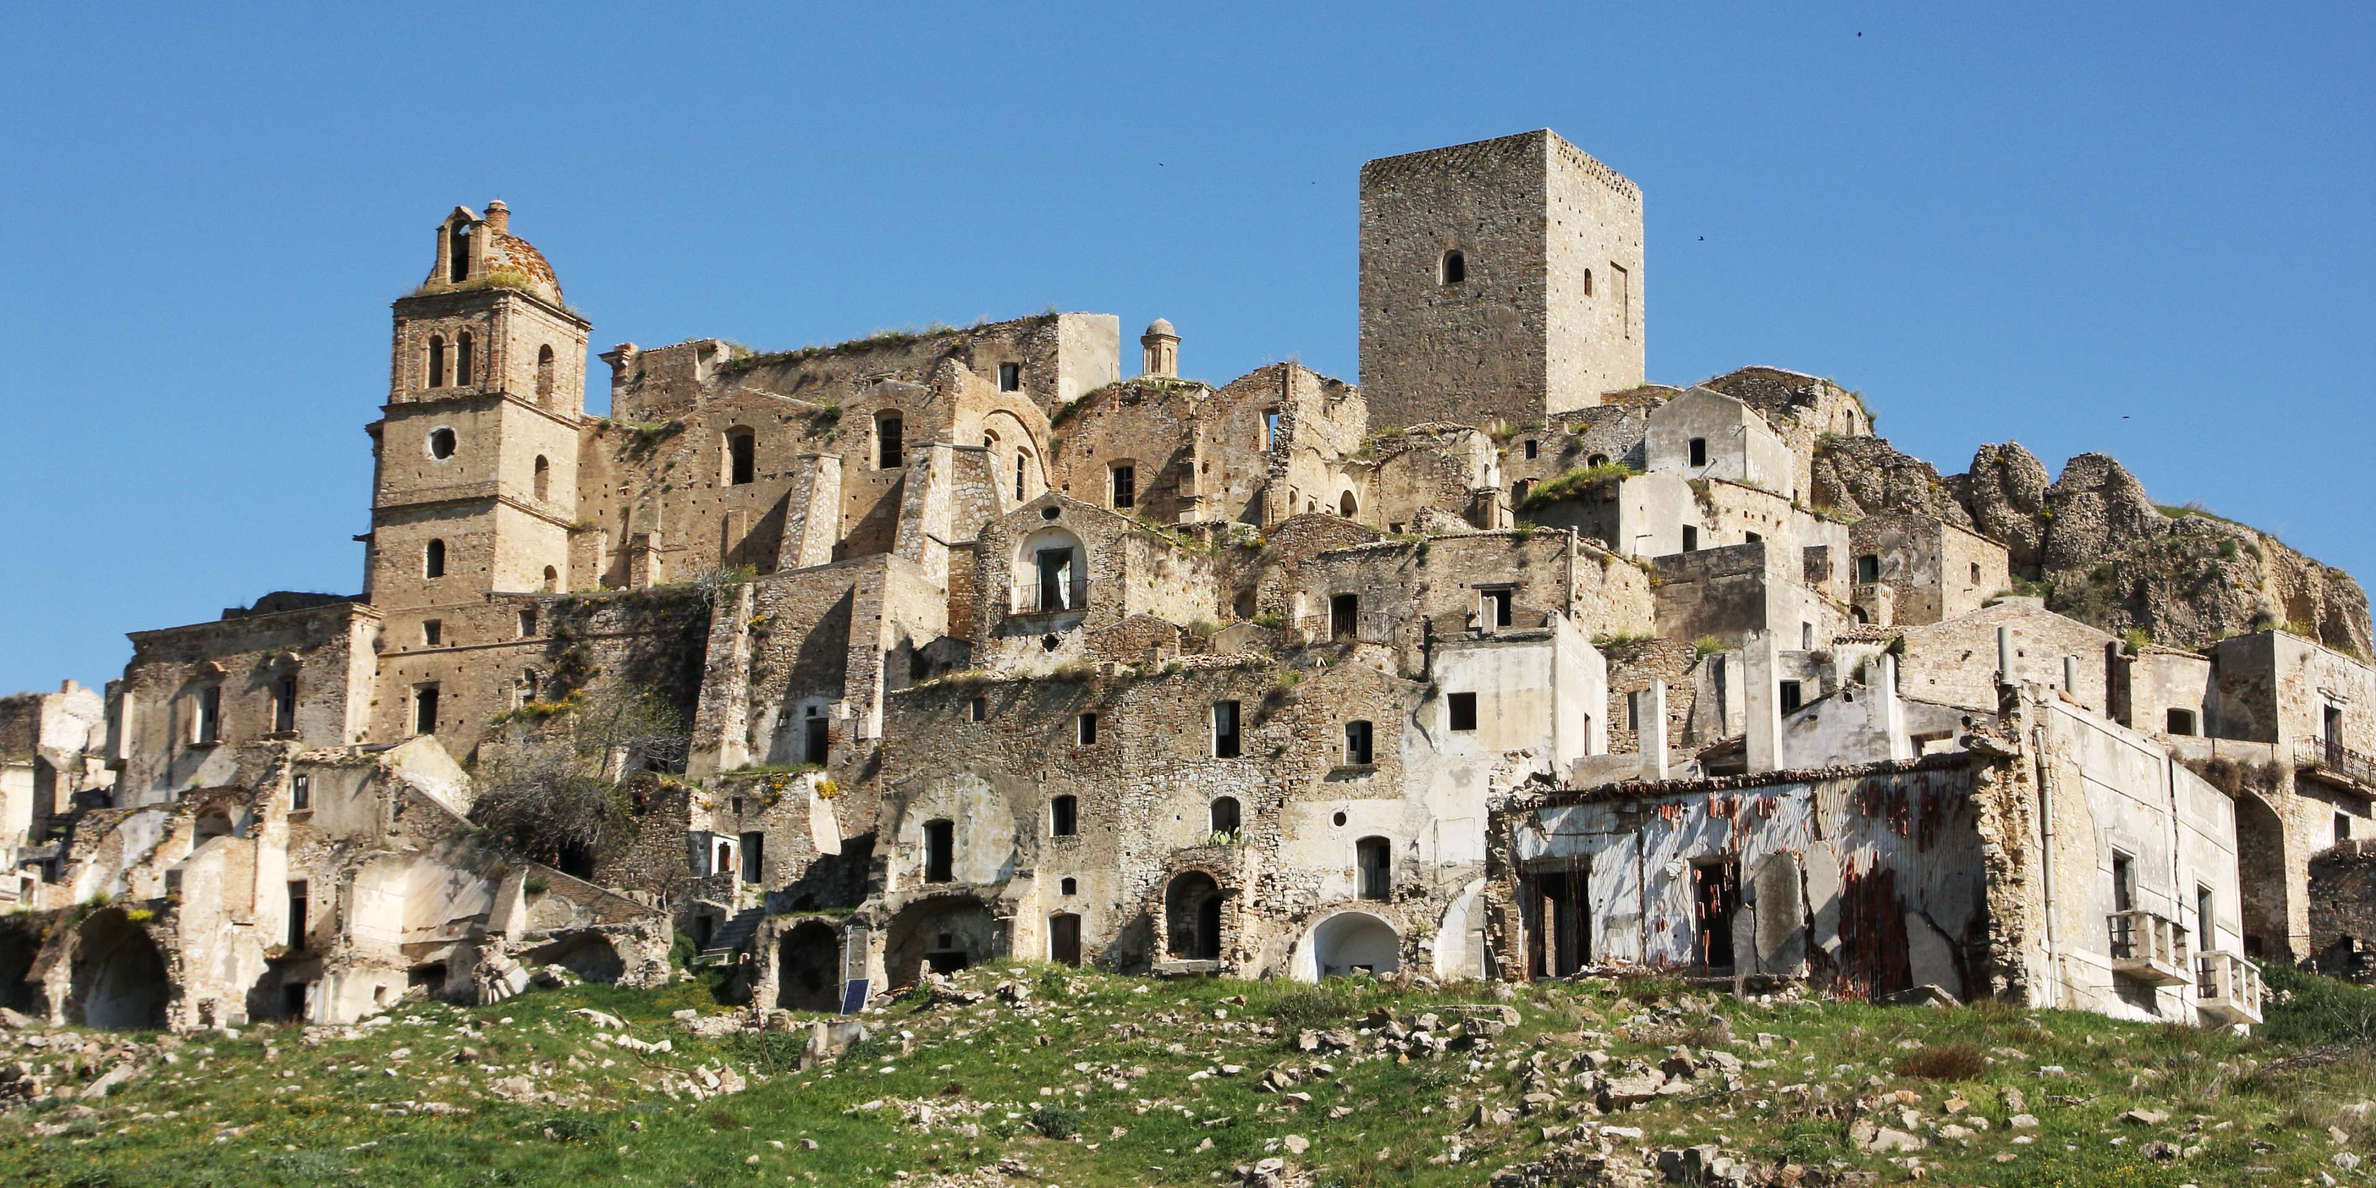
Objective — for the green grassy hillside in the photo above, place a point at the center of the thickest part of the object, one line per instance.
(1025, 1074)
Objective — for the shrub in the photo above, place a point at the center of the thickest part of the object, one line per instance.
(1315, 1004)
(1960, 1061)
(770, 1052)
(1706, 645)
(1574, 482)
(573, 1128)
(1055, 1121)
(2308, 1010)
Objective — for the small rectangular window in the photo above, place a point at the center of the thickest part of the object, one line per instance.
(2124, 882)
(1633, 712)
(1270, 427)
(1357, 744)
(2181, 722)
(209, 724)
(527, 622)
(1463, 710)
(1125, 487)
(298, 896)
(980, 708)
(1373, 858)
(1225, 730)
(1085, 729)
(1868, 569)
(284, 705)
(940, 851)
(432, 632)
(816, 740)
(1792, 696)
(2342, 827)
(1064, 816)
(1690, 538)
(425, 710)
(300, 793)
(2203, 919)
(1699, 451)
(1010, 377)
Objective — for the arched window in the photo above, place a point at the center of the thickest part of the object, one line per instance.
(552, 580)
(1588, 282)
(462, 372)
(1373, 858)
(742, 457)
(458, 253)
(543, 483)
(441, 444)
(1347, 505)
(1225, 815)
(544, 374)
(1455, 267)
(433, 559)
(436, 361)
(890, 441)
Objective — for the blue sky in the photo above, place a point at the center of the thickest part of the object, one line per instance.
(2143, 230)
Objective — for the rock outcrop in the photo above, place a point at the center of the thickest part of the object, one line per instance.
(1863, 476)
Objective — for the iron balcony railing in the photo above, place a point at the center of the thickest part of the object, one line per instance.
(2149, 947)
(2332, 756)
(2229, 987)
(1042, 598)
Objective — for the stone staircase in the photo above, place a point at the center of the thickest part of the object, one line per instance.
(731, 937)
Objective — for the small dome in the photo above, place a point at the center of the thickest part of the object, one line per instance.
(510, 253)
(1162, 326)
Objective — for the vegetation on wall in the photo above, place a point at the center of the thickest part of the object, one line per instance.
(554, 786)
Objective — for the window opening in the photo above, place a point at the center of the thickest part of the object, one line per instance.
(298, 897)
(816, 738)
(527, 622)
(1224, 815)
(1455, 267)
(284, 704)
(2124, 882)
(552, 580)
(542, 484)
(1022, 471)
(890, 441)
(1068, 886)
(458, 253)
(1064, 816)
(437, 361)
(1125, 487)
(754, 857)
(1793, 696)
(300, 793)
(1699, 451)
(940, 851)
(1357, 743)
(1225, 730)
(1533, 448)
(1056, 581)
(1010, 377)
(425, 710)
(441, 444)
(462, 371)
(209, 724)
(1716, 895)
(2202, 918)
(432, 632)
(1497, 607)
(544, 374)
(980, 709)
(1690, 538)
(1085, 730)
(433, 559)
(1344, 615)
(2182, 721)
(742, 457)
(1462, 708)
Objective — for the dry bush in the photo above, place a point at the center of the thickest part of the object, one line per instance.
(1960, 1061)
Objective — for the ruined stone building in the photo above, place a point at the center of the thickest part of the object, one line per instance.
(987, 641)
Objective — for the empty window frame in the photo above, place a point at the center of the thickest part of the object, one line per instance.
(742, 457)
(1453, 268)
(458, 253)
(1461, 711)
(2181, 721)
(1868, 569)
(433, 559)
(2124, 882)
(527, 622)
(1057, 579)
(890, 441)
(1690, 538)
(1793, 696)
(298, 899)
(754, 857)
(432, 632)
(1124, 487)
(1010, 377)
(1373, 864)
(462, 370)
(300, 793)
(541, 480)
(1085, 730)
(940, 851)
(206, 724)
(1699, 451)
(2342, 827)
(1344, 615)
(1534, 449)
(1022, 473)
(2202, 920)
(436, 363)
(979, 709)
(442, 443)
(1715, 898)
(1064, 816)
(816, 739)
(1224, 816)
(1227, 743)
(284, 704)
(1357, 744)
(544, 374)
(1270, 427)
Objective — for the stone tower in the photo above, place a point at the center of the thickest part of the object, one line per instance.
(1500, 279)
(1159, 349)
(475, 454)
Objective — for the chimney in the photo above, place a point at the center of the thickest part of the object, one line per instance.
(2004, 673)
(2071, 675)
(1650, 733)
(498, 217)
(1763, 702)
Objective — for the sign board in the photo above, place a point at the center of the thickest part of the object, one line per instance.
(853, 996)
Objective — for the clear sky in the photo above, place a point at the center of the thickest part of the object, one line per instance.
(2147, 230)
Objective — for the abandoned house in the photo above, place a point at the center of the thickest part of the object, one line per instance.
(938, 646)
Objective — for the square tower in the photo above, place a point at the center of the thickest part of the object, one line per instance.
(1499, 280)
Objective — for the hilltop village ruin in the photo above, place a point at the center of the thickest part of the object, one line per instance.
(856, 661)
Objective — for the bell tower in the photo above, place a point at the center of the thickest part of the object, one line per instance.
(475, 452)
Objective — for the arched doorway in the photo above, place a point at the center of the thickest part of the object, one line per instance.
(1355, 943)
(808, 968)
(18, 991)
(589, 956)
(943, 935)
(118, 979)
(1192, 917)
(2260, 875)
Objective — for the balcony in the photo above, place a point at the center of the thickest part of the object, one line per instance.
(2148, 947)
(2339, 764)
(2228, 987)
(1051, 598)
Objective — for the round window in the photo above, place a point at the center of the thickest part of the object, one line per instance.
(441, 444)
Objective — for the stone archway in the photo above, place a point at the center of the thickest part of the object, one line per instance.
(118, 979)
(1350, 943)
(944, 934)
(18, 991)
(589, 955)
(1192, 917)
(2261, 878)
(808, 968)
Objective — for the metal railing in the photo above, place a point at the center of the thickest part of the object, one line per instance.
(2334, 757)
(2148, 946)
(2229, 986)
(1044, 598)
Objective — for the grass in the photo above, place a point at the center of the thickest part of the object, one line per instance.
(1094, 1086)
(1574, 482)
